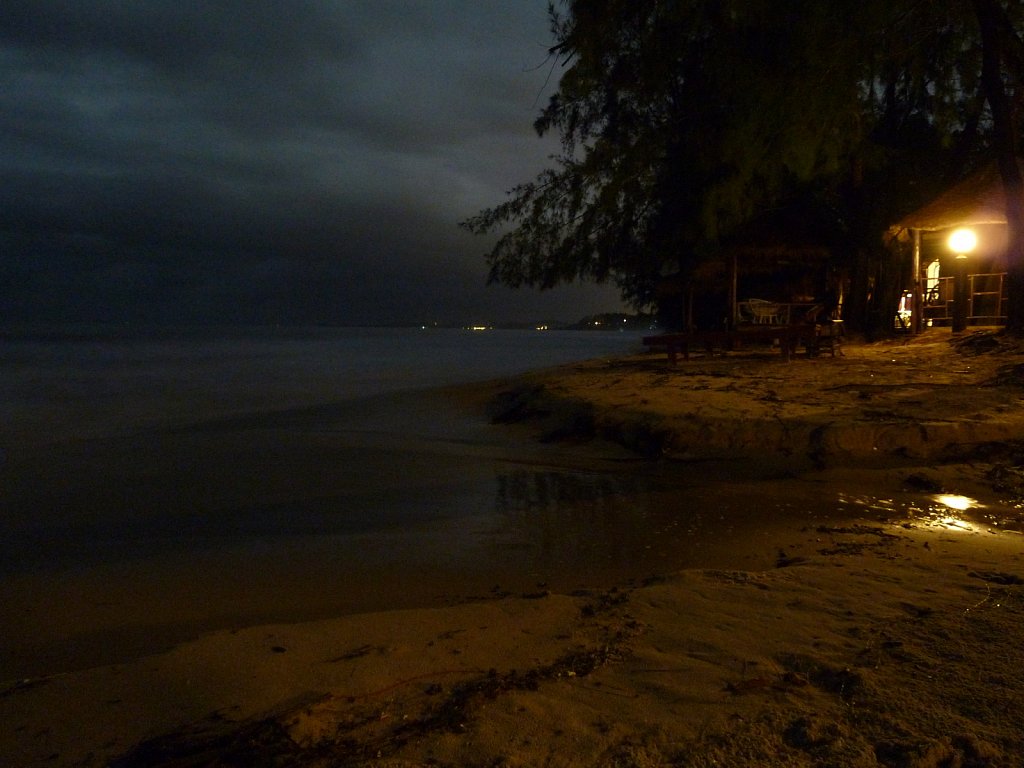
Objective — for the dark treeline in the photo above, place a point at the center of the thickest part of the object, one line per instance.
(684, 123)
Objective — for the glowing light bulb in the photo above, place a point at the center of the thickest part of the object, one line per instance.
(962, 241)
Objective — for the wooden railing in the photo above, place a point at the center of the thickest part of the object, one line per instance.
(986, 299)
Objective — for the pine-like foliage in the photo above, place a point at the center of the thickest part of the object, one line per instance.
(681, 120)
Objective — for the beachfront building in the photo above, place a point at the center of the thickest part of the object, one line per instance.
(771, 271)
(957, 247)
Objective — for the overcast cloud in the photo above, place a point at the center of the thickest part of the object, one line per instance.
(258, 161)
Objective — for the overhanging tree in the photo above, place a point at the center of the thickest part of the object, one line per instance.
(1002, 79)
(681, 120)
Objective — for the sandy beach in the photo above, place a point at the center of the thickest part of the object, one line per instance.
(887, 632)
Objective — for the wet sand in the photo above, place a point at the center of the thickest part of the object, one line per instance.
(122, 547)
(686, 610)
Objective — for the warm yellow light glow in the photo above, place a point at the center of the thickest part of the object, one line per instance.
(956, 524)
(962, 241)
(952, 501)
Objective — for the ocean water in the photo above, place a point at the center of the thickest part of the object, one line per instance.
(168, 437)
(80, 383)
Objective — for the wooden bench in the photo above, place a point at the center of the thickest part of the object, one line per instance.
(789, 338)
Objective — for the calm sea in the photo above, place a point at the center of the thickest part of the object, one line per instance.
(71, 384)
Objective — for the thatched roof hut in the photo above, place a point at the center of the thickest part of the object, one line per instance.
(979, 203)
(977, 200)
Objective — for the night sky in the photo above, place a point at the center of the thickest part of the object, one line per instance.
(249, 161)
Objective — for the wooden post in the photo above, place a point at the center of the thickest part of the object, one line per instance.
(689, 305)
(733, 304)
(917, 300)
(961, 295)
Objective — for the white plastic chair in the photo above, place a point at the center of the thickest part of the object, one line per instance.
(764, 312)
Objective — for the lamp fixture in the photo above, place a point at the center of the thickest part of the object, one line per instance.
(962, 241)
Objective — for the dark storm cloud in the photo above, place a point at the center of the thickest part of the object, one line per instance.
(263, 161)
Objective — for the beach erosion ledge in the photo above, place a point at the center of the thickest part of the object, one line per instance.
(931, 399)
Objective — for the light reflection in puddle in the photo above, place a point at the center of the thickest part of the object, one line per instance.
(939, 514)
(953, 501)
(870, 503)
(946, 511)
(564, 526)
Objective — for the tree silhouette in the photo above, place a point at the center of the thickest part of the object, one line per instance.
(682, 121)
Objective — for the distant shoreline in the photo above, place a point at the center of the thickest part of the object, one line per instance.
(84, 331)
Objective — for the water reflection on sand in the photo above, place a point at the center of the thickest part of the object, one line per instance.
(633, 525)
